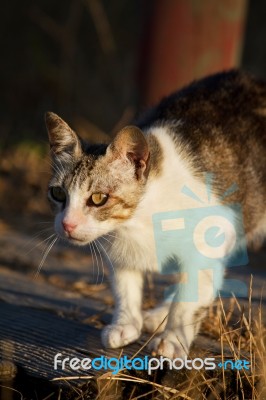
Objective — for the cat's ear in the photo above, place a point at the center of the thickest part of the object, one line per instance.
(64, 142)
(131, 143)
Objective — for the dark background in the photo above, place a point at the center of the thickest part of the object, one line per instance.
(97, 63)
(83, 61)
(53, 58)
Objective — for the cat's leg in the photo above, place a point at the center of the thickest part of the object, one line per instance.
(156, 318)
(201, 266)
(127, 319)
(184, 316)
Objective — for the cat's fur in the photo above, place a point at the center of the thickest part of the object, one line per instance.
(216, 125)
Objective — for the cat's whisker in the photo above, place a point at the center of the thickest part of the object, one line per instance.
(56, 168)
(100, 266)
(111, 235)
(63, 171)
(53, 166)
(40, 233)
(49, 238)
(105, 252)
(97, 263)
(36, 236)
(94, 259)
(42, 242)
(93, 264)
(105, 238)
(47, 251)
(112, 238)
(101, 261)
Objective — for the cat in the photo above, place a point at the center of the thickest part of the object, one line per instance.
(217, 126)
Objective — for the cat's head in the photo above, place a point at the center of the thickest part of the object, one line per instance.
(94, 189)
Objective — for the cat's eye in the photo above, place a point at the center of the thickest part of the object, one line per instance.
(58, 194)
(99, 199)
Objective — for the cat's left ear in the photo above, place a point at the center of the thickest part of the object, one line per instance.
(63, 140)
(131, 143)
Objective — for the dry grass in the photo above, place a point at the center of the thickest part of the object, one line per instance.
(241, 336)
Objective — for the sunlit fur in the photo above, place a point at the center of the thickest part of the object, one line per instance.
(143, 173)
(128, 214)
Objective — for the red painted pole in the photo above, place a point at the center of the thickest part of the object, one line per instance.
(188, 39)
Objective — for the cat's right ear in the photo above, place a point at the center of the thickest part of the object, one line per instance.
(64, 142)
(130, 143)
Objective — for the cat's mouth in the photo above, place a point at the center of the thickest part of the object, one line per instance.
(75, 240)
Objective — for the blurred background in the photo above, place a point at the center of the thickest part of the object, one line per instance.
(98, 63)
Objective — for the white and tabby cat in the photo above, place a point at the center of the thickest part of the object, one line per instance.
(216, 125)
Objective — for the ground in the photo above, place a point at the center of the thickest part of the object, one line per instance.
(65, 306)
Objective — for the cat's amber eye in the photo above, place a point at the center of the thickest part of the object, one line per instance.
(58, 194)
(99, 199)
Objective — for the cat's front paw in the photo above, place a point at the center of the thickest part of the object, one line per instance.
(167, 344)
(119, 335)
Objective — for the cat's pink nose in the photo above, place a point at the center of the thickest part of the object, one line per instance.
(68, 226)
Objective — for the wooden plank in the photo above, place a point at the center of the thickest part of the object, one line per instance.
(19, 289)
(44, 316)
(37, 336)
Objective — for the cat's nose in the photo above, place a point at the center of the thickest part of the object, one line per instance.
(68, 226)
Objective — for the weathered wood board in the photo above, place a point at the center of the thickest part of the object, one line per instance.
(40, 317)
(63, 310)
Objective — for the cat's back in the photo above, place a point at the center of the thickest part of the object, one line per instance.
(221, 122)
(219, 100)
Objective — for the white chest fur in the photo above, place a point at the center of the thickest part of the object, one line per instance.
(136, 247)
